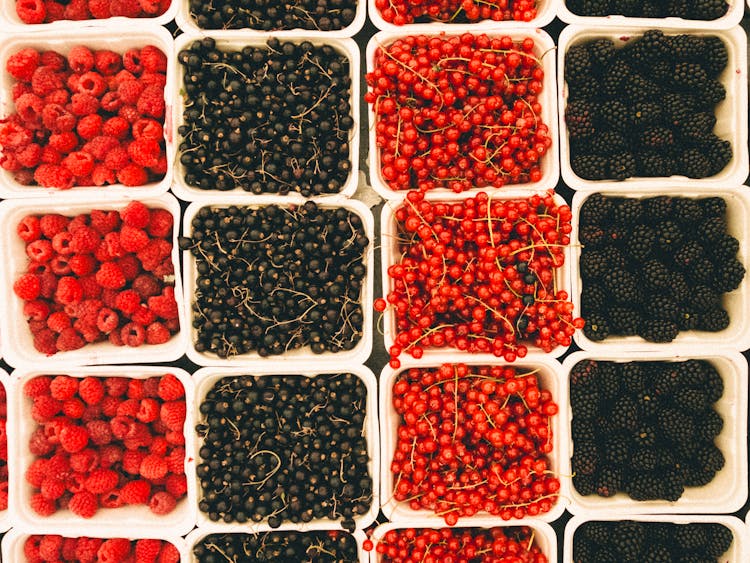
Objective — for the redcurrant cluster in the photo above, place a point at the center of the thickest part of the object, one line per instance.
(470, 545)
(488, 454)
(401, 12)
(479, 276)
(458, 112)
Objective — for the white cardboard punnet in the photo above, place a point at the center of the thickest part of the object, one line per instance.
(550, 377)
(544, 536)
(730, 19)
(227, 40)
(737, 303)
(188, 24)
(727, 492)
(390, 254)
(739, 551)
(137, 520)
(17, 341)
(731, 114)
(95, 37)
(358, 355)
(206, 378)
(544, 48)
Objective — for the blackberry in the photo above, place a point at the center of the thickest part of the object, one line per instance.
(713, 206)
(687, 211)
(654, 164)
(607, 143)
(623, 286)
(690, 400)
(711, 93)
(661, 72)
(718, 152)
(712, 228)
(615, 115)
(675, 105)
(655, 274)
(624, 321)
(657, 330)
(606, 555)
(696, 476)
(725, 247)
(656, 554)
(643, 459)
(704, 299)
(656, 137)
(621, 166)
(584, 374)
(719, 540)
(690, 536)
(609, 380)
(679, 289)
(653, 45)
(672, 486)
(587, 89)
(585, 458)
(645, 113)
(615, 75)
(627, 8)
(663, 307)
(708, 9)
(577, 64)
(702, 272)
(639, 243)
(709, 425)
(688, 255)
(590, 166)
(714, 385)
(687, 319)
(598, 533)
(686, 47)
(638, 88)
(653, 9)
(585, 485)
(676, 425)
(595, 264)
(583, 429)
(710, 458)
(716, 56)
(590, 7)
(592, 237)
(696, 126)
(694, 373)
(579, 117)
(644, 436)
(728, 275)
(658, 208)
(668, 236)
(713, 321)
(585, 404)
(593, 300)
(596, 209)
(616, 450)
(609, 481)
(624, 414)
(644, 486)
(633, 376)
(627, 211)
(665, 379)
(689, 75)
(601, 52)
(647, 403)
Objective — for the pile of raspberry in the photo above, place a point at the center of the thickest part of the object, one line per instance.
(38, 549)
(106, 443)
(3, 450)
(103, 276)
(46, 11)
(91, 119)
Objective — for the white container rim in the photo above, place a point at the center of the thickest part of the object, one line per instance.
(388, 253)
(544, 534)
(550, 375)
(138, 520)
(205, 378)
(737, 335)
(7, 383)
(730, 19)
(731, 113)
(94, 37)
(13, 542)
(737, 553)
(17, 344)
(728, 491)
(186, 23)
(10, 21)
(544, 16)
(357, 355)
(543, 45)
(194, 537)
(226, 40)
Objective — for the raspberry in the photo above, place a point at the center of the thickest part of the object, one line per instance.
(59, 266)
(63, 387)
(133, 239)
(31, 11)
(131, 60)
(27, 287)
(73, 408)
(84, 104)
(44, 408)
(89, 126)
(69, 290)
(146, 285)
(110, 276)
(39, 445)
(99, 9)
(151, 7)
(151, 102)
(58, 321)
(87, 549)
(116, 386)
(151, 387)
(55, 11)
(110, 455)
(69, 340)
(52, 489)
(146, 551)
(39, 251)
(13, 135)
(114, 550)
(131, 461)
(173, 414)
(80, 59)
(107, 320)
(91, 390)
(73, 438)
(164, 305)
(41, 505)
(36, 472)
(153, 467)
(129, 407)
(148, 410)
(101, 481)
(22, 64)
(176, 485)
(92, 85)
(29, 228)
(68, 551)
(170, 388)
(147, 129)
(130, 266)
(117, 159)
(116, 127)
(136, 492)
(61, 243)
(127, 301)
(136, 214)
(129, 113)
(129, 92)
(176, 460)
(107, 63)
(53, 176)
(60, 96)
(79, 163)
(153, 60)
(82, 265)
(99, 432)
(30, 107)
(29, 156)
(157, 333)
(105, 221)
(45, 342)
(122, 76)
(143, 316)
(83, 504)
(125, 8)
(19, 89)
(50, 547)
(76, 10)
(154, 79)
(132, 175)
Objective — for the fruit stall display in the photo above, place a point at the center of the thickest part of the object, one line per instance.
(455, 283)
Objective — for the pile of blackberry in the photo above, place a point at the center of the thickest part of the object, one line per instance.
(273, 279)
(655, 266)
(270, 15)
(685, 9)
(650, 542)
(284, 448)
(646, 109)
(646, 429)
(300, 547)
(267, 119)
